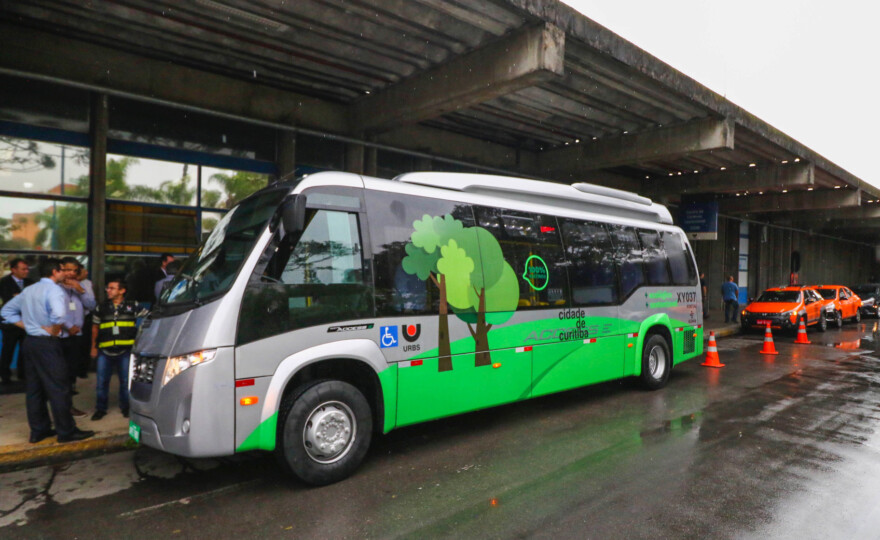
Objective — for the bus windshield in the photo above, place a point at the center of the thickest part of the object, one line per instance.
(210, 271)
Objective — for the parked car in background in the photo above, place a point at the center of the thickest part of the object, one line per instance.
(785, 307)
(846, 303)
(870, 295)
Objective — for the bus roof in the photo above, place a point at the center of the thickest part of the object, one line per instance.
(581, 196)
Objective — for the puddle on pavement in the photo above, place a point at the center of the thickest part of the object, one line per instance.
(27, 490)
(676, 426)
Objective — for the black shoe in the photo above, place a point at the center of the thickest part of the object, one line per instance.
(37, 438)
(77, 413)
(77, 435)
(98, 415)
(125, 413)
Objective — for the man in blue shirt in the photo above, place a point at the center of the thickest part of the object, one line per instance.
(78, 300)
(730, 295)
(40, 311)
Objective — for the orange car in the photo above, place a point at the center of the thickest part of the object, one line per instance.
(785, 307)
(846, 303)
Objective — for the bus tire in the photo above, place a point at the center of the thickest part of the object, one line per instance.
(324, 431)
(656, 362)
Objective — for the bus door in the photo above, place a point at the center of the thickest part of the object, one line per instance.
(300, 290)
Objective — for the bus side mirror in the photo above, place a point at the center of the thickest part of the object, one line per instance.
(293, 214)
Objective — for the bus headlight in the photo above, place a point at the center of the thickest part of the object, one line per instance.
(178, 364)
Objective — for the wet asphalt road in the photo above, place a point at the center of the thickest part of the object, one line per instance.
(767, 447)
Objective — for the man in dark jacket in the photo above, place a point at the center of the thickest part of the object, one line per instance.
(10, 286)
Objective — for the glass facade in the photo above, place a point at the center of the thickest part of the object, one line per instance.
(171, 174)
(29, 166)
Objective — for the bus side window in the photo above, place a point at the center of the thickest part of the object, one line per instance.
(655, 258)
(406, 279)
(317, 281)
(628, 257)
(531, 245)
(680, 262)
(591, 263)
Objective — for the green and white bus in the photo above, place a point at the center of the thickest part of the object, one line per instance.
(323, 311)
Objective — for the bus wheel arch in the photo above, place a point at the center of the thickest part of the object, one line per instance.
(352, 371)
(324, 431)
(656, 358)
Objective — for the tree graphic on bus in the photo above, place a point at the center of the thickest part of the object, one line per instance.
(468, 268)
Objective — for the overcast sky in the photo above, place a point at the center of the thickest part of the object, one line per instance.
(810, 68)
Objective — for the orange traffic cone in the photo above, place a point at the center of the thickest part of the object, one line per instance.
(802, 333)
(769, 347)
(712, 359)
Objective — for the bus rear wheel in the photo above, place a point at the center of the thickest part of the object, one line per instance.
(656, 362)
(324, 431)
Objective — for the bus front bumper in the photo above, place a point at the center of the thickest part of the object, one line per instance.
(193, 415)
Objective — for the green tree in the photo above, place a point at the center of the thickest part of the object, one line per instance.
(492, 290)
(236, 186)
(468, 268)
(22, 155)
(422, 254)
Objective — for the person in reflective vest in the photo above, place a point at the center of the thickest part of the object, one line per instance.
(114, 329)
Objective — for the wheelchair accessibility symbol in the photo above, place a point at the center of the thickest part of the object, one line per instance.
(388, 336)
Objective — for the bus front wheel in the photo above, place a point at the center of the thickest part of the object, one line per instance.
(324, 431)
(656, 362)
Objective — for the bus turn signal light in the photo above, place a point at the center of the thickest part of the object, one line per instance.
(496, 365)
(250, 400)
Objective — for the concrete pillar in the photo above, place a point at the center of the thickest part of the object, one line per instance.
(98, 125)
(371, 161)
(354, 158)
(743, 277)
(423, 164)
(285, 153)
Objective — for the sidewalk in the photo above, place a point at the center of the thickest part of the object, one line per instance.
(715, 323)
(111, 432)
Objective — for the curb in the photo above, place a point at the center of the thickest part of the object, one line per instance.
(727, 331)
(26, 456)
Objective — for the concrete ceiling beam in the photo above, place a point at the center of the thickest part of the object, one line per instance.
(671, 142)
(753, 179)
(796, 201)
(521, 60)
(33, 51)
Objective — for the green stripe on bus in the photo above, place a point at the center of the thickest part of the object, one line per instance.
(263, 437)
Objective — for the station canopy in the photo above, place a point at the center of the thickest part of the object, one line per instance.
(527, 87)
